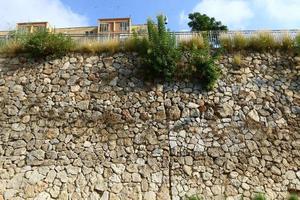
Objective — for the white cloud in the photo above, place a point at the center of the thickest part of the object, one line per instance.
(250, 14)
(285, 13)
(233, 13)
(53, 11)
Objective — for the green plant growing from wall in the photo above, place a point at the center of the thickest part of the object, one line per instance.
(194, 197)
(293, 197)
(42, 43)
(260, 196)
(161, 55)
(201, 64)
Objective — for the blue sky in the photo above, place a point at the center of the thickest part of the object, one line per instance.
(139, 10)
(237, 14)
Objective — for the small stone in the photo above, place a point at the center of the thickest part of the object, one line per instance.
(206, 176)
(87, 144)
(188, 170)
(174, 113)
(43, 196)
(157, 177)
(35, 177)
(254, 115)
(226, 110)
(275, 170)
(192, 105)
(216, 189)
(118, 168)
(150, 195)
(62, 176)
(136, 178)
(75, 88)
(291, 175)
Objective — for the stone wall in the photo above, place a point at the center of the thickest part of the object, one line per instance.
(87, 127)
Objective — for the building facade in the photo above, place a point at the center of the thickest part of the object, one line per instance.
(30, 27)
(114, 25)
(105, 26)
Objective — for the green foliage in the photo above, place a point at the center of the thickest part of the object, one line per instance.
(194, 197)
(297, 41)
(293, 197)
(260, 196)
(202, 22)
(160, 55)
(136, 44)
(201, 65)
(42, 43)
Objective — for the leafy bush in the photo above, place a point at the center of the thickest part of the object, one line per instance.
(200, 65)
(42, 43)
(136, 44)
(160, 57)
(293, 197)
(260, 196)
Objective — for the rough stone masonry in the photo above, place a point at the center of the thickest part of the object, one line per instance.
(87, 127)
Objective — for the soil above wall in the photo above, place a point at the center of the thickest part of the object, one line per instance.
(87, 127)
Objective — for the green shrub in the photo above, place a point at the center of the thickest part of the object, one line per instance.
(42, 43)
(200, 65)
(136, 44)
(160, 57)
(194, 197)
(260, 196)
(293, 197)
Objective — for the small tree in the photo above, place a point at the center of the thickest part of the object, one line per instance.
(202, 22)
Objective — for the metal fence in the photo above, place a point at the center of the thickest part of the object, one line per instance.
(212, 36)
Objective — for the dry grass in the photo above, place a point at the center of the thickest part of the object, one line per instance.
(111, 46)
(287, 42)
(263, 41)
(260, 41)
(240, 42)
(11, 47)
(226, 42)
(196, 42)
(237, 60)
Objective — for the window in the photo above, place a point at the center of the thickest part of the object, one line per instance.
(103, 27)
(39, 28)
(124, 26)
(24, 29)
